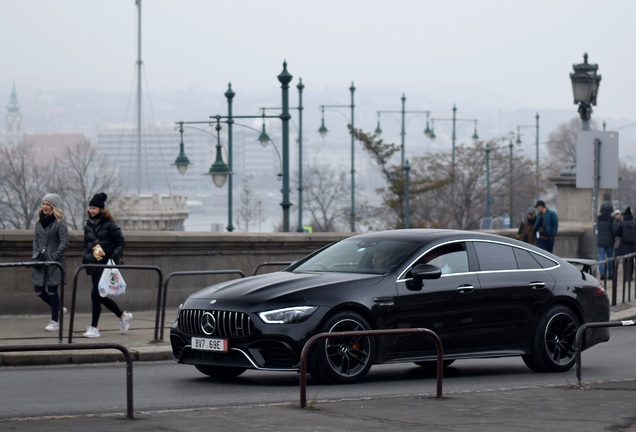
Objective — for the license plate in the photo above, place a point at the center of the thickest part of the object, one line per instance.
(205, 344)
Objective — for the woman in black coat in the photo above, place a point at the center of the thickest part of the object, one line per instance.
(103, 240)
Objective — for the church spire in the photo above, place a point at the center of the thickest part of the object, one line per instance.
(13, 120)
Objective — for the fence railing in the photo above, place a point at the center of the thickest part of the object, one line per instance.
(578, 339)
(622, 271)
(87, 346)
(387, 332)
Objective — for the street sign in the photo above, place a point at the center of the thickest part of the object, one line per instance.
(608, 160)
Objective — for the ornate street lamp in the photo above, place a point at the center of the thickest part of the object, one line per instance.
(536, 136)
(182, 162)
(585, 85)
(221, 172)
(403, 124)
(454, 121)
(323, 133)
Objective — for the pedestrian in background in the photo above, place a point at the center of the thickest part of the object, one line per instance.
(605, 238)
(103, 240)
(617, 218)
(526, 228)
(627, 234)
(546, 227)
(50, 244)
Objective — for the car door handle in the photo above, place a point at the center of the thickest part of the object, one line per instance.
(537, 285)
(465, 288)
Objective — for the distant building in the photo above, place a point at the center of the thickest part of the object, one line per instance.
(13, 121)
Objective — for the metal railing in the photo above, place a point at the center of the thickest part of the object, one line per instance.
(186, 273)
(271, 263)
(89, 346)
(121, 267)
(578, 340)
(626, 263)
(305, 352)
(29, 264)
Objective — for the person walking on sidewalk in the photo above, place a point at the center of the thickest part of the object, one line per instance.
(606, 231)
(50, 244)
(546, 227)
(526, 228)
(627, 234)
(103, 240)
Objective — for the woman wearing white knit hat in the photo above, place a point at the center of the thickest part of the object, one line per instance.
(50, 244)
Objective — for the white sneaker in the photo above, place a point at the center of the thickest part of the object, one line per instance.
(125, 322)
(53, 326)
(91, 332)
(64, 310)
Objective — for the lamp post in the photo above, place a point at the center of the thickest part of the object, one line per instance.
(403, 112)
(284, 78)
(510, 181)
(454, 121)
(488, 180)
(323, 132)
(536, 133)
(407, 187)
(585, 84)
(300, 109)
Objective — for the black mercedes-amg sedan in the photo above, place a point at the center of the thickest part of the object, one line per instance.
(484, 295)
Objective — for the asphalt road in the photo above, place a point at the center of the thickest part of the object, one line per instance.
(100, 388)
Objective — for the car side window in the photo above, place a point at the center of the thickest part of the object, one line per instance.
(495, 256)
(526, 260)
(449, 258)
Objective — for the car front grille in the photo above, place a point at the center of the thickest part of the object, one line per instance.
(228, 324)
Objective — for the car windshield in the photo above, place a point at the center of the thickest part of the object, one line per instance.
(359, 256)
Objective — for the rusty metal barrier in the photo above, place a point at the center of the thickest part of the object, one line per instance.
(578, 340)
(69, 347)
(29, 264)
(124, 267)
(271, 263)
(186, 273)
(305, 352)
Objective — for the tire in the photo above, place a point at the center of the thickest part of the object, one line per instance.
(343, 360)
(432, 365)
(220, 372)
(553, 348)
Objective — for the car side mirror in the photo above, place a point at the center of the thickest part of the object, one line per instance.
(421, 272)
(426, 271)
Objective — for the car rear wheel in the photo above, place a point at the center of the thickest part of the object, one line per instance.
(343, 360)
(220, 372)
(553, 343)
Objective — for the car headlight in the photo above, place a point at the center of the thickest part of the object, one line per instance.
(287, 315)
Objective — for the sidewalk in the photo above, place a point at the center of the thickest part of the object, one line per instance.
(29, 330)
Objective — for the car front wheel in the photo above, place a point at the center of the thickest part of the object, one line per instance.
(343, 359)
(553, 343)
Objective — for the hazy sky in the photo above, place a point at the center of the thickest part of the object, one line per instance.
(522, 51)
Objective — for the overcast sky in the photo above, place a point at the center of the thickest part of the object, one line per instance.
(521, 51)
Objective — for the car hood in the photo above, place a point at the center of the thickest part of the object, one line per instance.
(282, 287)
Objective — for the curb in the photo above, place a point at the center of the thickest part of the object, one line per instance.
(80, 356)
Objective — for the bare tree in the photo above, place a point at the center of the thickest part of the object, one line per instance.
(23, 183)
(250, 210)
(326, 192)
(561, 145)
(439, 207)
(626, 194)
(81, 175)
(394, 194)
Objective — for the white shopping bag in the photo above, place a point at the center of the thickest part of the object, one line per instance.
(111, 283)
